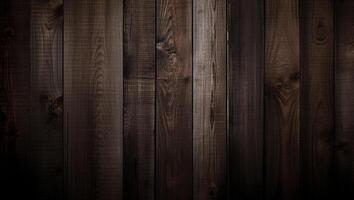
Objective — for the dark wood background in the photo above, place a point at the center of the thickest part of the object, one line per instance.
(176, 99)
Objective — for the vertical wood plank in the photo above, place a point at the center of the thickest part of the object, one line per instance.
(209, 99)
(317, 109)
(344, 99)
(246, 63)
(282, 99)
(174, 164)
(93, 98)
(14, 102)
(46, 139)
(139, 99)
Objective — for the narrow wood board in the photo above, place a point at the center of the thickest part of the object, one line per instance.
(15, 175)
(317, 108)
(139, 99)
(245, 72)
(174, 137)
(344, 99)
(282, 80)
(93, 99)
(46, 140)
(209, 99)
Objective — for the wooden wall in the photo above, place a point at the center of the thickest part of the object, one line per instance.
(176, 99)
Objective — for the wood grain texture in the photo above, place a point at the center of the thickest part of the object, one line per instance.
(139, 99)
(344, 99)
(317, 109)
(246, 63)
(176, 99)
(14, 100)
(93, 98)
(46, 133)
(174, 156)
(209, 99)
(282, 99)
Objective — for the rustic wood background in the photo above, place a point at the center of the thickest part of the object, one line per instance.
(176, 99)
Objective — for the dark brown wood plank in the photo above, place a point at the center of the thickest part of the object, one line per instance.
(209, 99)
(139, 99)
(174, 148)
(93, 98)
(246, 63)
(282, 99)
(15, 173)
(46, 142)
(344, 99)
(317, 108)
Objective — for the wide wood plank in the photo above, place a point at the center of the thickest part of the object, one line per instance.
(344, 99)
(46, 142)
(317, 108)
(139, 99)
(209, 99)
(246, 58)
(282, 99)
(16, 178)
(174, 156)
(93, 92)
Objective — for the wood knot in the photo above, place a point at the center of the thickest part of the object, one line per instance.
(53, 107)
(350, 49)
(8, 32)
(288, 82)
(54, 17)
(7, 35)
(56, 106)
(167, 50)
(320, 32)
(212, 194)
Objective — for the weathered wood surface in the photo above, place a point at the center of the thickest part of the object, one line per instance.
(15, 173)
(282, 78)
(344, 99)
(174, 137)
(93, 97)
(317, 108)
(176, 99)
(246, 66)
(139, 99)
(46, 138)
(209, 100)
